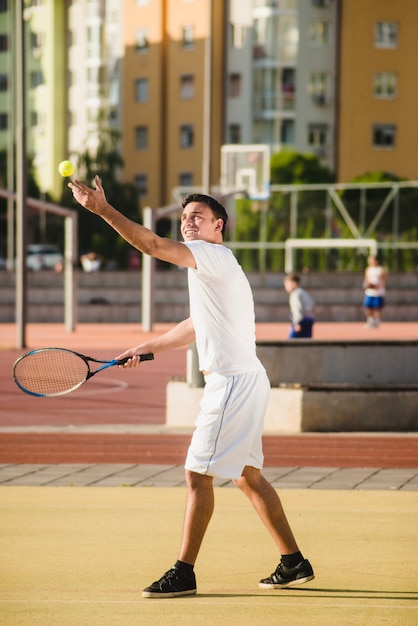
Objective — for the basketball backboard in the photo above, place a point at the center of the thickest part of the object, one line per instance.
(246, 168)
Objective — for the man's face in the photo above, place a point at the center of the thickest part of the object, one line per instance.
(199, 222)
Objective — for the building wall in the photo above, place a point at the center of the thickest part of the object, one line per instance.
(192, 111)
(164, 63)
(86, 85)
(150, 65)
(359, 108)
(314, 107)
(239, 55)
(6, 100)
(46, 92)
(84, 79)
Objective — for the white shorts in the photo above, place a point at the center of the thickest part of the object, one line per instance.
(229, 427)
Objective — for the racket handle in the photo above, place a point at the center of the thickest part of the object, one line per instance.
(142, 357)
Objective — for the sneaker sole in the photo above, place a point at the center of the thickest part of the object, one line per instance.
(291, 583)
(171, 594)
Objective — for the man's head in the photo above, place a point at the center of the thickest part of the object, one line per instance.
(216, 208)
(291, 282)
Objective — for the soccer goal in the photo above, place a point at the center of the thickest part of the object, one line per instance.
(296, 244)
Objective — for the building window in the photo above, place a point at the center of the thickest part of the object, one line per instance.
(317, 138)
(384, 135)
(187, 36)
(141, 40)
(3, 6)
(386, 34)
(318, 87)
(141, 90)
(36, 79)
(234, 133)
(385, 85)
(37, 40)
(141, 138)
(185, 179)
(4, 45)
(4, 82)
(187, 87)
(3, 121)
(238, 32)
(186, 136)
(319, 33)
(287, 132)
(141, 184)
(235, 85)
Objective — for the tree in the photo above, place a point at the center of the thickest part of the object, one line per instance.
(289, 167)
(94, 235)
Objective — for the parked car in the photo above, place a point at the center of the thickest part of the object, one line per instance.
(43, 257)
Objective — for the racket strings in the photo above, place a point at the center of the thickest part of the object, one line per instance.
(51, 372)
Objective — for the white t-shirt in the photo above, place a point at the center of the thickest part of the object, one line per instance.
(374, 276)
(222, 310)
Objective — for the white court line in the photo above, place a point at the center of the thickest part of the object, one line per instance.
(118, 385)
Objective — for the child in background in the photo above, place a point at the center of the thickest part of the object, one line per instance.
(301, 308)
(374, 284)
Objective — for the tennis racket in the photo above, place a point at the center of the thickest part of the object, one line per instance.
(48, 372)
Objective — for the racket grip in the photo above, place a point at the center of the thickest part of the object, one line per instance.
(142, 357)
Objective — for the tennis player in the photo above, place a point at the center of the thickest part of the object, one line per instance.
(227, 442)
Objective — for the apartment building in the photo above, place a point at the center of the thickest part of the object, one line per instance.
(180, 78)
(317, 80)
(45, 78)
(172, 95)
(378, 88)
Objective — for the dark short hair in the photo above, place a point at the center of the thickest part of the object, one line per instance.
(217, 209)
(295, 278)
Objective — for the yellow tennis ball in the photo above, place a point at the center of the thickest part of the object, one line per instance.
(66, 168)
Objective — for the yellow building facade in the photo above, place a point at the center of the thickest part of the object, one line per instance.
(378, 94)
(172, 96)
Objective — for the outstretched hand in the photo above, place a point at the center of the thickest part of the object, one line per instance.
(92, 199)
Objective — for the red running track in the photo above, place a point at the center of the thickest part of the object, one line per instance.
(31, 429)
(311, 450)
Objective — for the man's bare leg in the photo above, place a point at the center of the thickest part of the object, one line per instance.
(293, 569)
(199, 509)
(267, 503)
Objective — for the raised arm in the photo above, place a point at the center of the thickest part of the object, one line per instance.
(180, 335)
(138, 236)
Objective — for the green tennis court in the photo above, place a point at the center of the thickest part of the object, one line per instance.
(81, 556)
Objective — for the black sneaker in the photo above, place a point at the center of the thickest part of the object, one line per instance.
(173, 584)
(288, 576)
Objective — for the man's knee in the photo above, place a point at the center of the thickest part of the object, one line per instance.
(194, 480)
(250, 477)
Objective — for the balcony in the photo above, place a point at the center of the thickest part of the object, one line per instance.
(274, 101)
